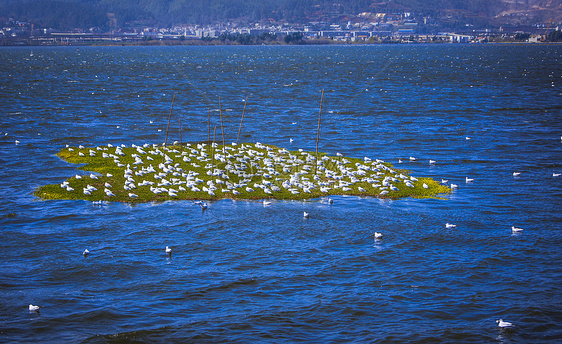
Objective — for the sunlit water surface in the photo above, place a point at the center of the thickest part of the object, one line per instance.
(242, 272)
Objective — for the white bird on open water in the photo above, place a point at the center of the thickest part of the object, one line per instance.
(33, 308)
(305, 215)
(85, 253)
(450, 225)
(168, 250)
(266, 202)
(502, 323)
(516, 174)
(556, 174)
(377, 235)
(515, 229)
(469, 180)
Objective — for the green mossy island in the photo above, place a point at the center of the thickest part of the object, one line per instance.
(210, 172)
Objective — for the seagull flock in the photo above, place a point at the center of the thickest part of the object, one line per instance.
(201, 171)
(234, 169)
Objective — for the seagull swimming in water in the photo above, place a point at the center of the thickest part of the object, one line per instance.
(469, 180)
(168, 250)
(377, 235)
(305, 215)
(33, 308)
(85, 253)
(266, 202)
(450, 225)
(515, 229)
(516, 174)
(556, 174)
(502, 323)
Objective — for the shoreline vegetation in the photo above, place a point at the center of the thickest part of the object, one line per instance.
(209, 171)
(216, 42)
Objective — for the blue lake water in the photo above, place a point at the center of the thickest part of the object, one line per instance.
(242, 272)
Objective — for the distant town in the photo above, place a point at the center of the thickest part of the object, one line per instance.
(374, 28)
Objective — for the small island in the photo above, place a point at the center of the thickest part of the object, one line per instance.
(209, 171)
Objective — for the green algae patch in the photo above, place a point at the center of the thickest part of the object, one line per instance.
(210, 172)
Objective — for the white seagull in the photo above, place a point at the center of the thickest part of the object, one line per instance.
(516, 174)
(33, 308)
(85, 253)
(556, 174)
(502, 323)
(305, 215)
(377, 235)
(450, 225)
(515, 229)
(469, 180)
(168, 250)
(266, 202)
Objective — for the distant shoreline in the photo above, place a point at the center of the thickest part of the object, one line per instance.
(220, 43)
